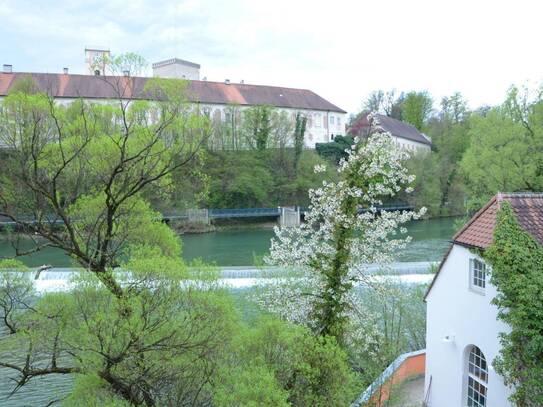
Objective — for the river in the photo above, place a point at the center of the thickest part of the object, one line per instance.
(227, 248)
(240, 247)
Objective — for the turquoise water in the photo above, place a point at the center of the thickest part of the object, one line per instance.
(240, 247)
(225, 248)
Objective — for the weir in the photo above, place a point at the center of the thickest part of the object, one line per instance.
(58, 279)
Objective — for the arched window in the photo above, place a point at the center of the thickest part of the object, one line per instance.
(477, 372)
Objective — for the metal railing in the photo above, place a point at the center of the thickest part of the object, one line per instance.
(231, 213)
(243, 213)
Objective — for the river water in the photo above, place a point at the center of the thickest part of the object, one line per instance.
(240, 247)
(228, 248)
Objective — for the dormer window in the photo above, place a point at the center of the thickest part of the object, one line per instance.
(477, 274)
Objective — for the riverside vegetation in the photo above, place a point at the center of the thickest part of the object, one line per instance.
(475, 153)
(92, 177)
(137, 326)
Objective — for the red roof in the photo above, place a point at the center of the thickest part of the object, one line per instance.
(107, 87)
(479, 231)
(527, 207)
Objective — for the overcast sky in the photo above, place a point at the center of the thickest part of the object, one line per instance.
(342, 50)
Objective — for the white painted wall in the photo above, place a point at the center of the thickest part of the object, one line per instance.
(177, 70)
(412, 146)
(454, 309)
(316, 131)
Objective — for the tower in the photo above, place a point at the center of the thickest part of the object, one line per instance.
(96, 60)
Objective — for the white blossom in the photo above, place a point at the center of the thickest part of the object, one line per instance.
(319, 168)
(309, 248)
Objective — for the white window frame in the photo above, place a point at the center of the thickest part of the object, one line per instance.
(477, 275)
(331, 119)
(477, 378)
(318, 119)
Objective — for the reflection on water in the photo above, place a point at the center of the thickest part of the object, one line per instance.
(240, 247)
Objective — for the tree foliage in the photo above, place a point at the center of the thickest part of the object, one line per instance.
(136, 326)
(335, 150)
(505, 153)
(517, 272)
(299, 133)
(416, 108)
(336, 240)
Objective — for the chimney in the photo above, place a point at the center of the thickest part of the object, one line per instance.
(65, 70)
(242, 81)
(227, 81)
(204, 78)
(126, 72)
(8, 68)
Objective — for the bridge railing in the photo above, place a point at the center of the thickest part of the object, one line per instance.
(243, 213)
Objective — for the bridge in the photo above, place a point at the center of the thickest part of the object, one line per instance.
(287, 216)
(272, 212)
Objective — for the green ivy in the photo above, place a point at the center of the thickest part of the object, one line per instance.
(517, 273)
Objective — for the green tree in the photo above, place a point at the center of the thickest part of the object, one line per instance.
(416, 108)
(335, 150)
(426, 187)
(517, 273)
(311, 371)
(299, 133)
(386, 103)
(454, 108)
(76, 176)
(257, 126)
(505, 149)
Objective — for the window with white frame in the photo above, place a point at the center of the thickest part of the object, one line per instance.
(477, 373)
(331, 119)
(477, 274)
(317, 120)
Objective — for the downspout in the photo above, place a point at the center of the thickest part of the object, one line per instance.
(328, 126)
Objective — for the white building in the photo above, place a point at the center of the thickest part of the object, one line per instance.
(177, 68)
(462, 326)
(95, 60)
(325, 120)
(404, 134)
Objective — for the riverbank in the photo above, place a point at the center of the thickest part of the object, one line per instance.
(185, 228)
(221, 225)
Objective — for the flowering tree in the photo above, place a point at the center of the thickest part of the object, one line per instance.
(343, 233)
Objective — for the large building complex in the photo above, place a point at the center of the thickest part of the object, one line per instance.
(325, 120)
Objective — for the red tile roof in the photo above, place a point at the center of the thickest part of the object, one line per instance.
(527, 207)
(479, 231)
(107, 87)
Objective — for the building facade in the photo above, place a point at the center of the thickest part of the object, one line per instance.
(404, 134)
(325, 120)
(177, 68)
(462, 337)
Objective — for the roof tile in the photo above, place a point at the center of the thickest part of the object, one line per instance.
(395, 127)
(527, 207)
(107, 87)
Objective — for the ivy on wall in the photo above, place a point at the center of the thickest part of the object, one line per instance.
(517, 273)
